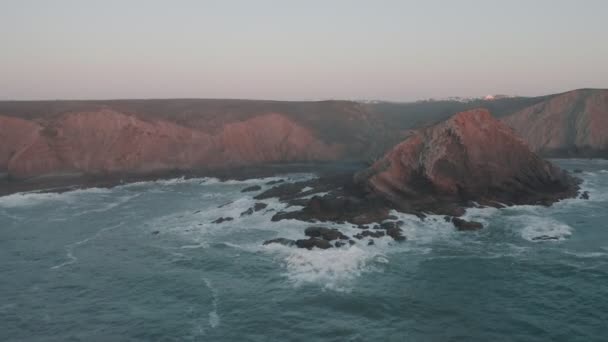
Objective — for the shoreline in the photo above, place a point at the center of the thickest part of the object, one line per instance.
(69, 182)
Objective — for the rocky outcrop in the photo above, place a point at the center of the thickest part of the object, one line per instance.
(470, 157)
(573, 124)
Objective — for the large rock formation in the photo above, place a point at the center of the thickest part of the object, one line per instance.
(470, 157)
(573, 124)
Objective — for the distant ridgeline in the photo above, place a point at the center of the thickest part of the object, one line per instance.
(42, 138)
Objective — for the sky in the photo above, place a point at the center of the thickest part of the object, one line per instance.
(300, 50)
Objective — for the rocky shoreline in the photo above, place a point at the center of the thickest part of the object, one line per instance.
(470, 160)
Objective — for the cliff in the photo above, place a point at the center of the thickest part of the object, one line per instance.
(573, 124)
(113, 137)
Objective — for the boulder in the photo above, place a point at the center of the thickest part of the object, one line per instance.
(464, 225)
(313, 242)
(325, 233)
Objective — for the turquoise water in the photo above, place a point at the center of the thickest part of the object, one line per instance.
(142, 262)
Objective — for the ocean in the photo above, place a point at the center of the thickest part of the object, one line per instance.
(143, 262)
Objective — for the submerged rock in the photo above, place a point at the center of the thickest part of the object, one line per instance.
(585, 195)
(275, 182)
(281, 241)
(252, 188)
(545, 238)
(222, 219)
(464, 225)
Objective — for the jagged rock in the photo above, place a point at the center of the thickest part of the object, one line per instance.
(252, 188)
(369, 233)
(325, 233)
(313, 242)
(464, 225)
(281, 241)
(256, 207)
(222, 219)
(259, 206)
(395, 233)
(585, 195)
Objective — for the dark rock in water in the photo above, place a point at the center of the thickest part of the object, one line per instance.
(370, 242)
(337, 209)
(247, 212)
(340, 243)
(281, 241)
(361, 226)
(259, 206)
(252, 188)
(274, 182)
(369, 233)
(196, 212)
(389, 225)
(447, 218)
(256, 207)
(464, 225)
(395, 233)
(156, 232)
(325, 233)
(585, 195)
(222, 219)
(545, 238)
(313, 242)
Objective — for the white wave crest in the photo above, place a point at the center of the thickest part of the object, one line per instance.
(27, 199)
(542, 228)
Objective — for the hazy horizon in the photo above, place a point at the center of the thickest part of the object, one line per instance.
(346, 50)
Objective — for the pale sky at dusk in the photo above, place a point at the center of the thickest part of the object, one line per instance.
(392, 50)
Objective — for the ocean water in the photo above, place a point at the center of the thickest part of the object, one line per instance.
(142, 262)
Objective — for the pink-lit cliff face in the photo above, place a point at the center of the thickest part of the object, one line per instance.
(571, 124)
(471, 156)
(155, 136)
(106, 142)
